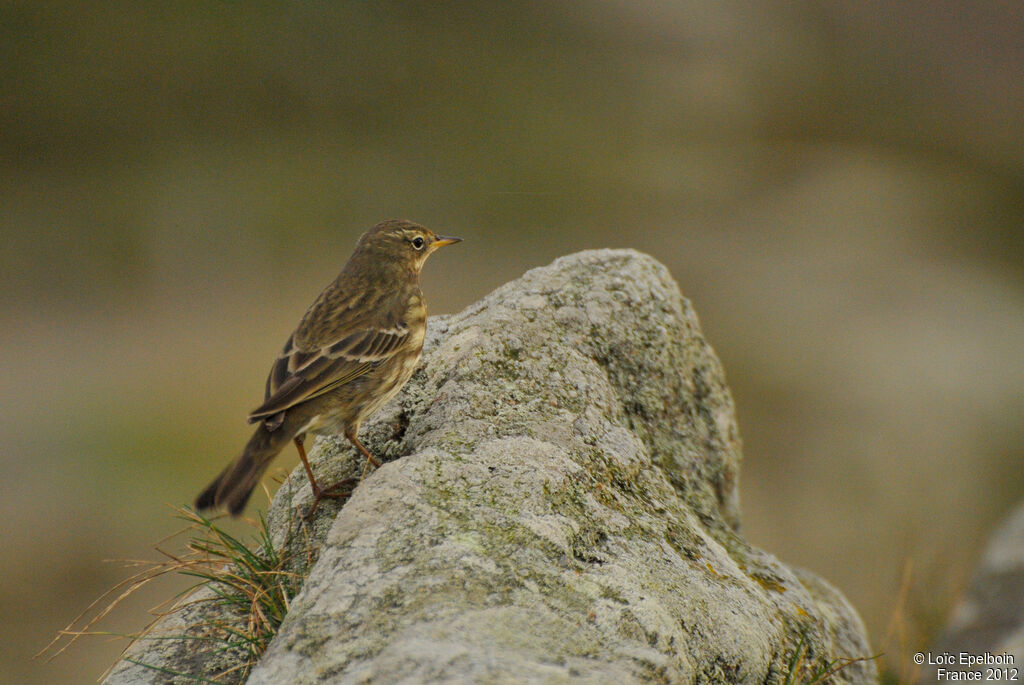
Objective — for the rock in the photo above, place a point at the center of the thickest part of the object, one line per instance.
(989, 619)
(559, 505)
(176, 646)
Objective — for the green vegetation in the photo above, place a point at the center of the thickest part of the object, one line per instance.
(243, 593)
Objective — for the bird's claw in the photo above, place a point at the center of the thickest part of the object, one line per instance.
(341, 490)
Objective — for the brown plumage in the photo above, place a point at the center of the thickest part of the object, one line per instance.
(356, 347)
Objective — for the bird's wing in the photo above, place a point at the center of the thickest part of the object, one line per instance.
(300, 375)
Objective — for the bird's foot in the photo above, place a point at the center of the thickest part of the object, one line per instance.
(340, 490)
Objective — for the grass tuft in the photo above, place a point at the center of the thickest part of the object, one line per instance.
(248, 588)
(802, 672)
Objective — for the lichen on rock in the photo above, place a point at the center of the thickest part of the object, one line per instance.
(559, 504)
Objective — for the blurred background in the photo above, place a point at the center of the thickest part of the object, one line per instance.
(837, 186)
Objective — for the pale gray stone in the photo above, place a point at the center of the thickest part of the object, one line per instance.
(559, 505)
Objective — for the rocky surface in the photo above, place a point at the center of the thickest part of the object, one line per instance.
(559, 505)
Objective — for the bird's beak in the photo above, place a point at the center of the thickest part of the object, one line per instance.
(443, 240)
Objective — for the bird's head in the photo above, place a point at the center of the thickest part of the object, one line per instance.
(402, 243)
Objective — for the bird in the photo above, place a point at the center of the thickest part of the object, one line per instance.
(354, 349)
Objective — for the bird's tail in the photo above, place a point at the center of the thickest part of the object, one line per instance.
(232, 488)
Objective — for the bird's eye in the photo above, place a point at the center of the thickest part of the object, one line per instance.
(417, 242)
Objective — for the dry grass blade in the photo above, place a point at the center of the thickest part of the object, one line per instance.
(250, 581)
(120, 592)
(825, 670)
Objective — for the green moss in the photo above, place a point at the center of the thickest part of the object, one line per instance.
(768, 581)
(613, 594)
(684, 541)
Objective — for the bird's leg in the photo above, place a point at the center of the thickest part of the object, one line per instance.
(305, 464)
(342, 489)
(333, 492)
(370, 459)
